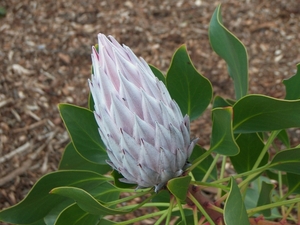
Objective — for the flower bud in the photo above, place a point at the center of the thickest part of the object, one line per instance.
(146, 136)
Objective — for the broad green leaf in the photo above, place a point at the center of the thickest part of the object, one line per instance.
(234, 210)
(179, 186)
(201, 169)
(251, 198)
(292, 86)
(72, 160)
(232, 50)
(222, 139)
(293, 183)
(86, 201)
(287, 160)
(265, 197)
(256, 113)
(220, 102)
(250, 146)
(187, 86)
(38, 203)
(158, 74)
(83, 130)
(56, 210)
(76, 216)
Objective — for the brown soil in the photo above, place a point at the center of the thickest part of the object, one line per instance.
(45, 60)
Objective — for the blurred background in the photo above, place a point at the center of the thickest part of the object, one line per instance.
(45, 51)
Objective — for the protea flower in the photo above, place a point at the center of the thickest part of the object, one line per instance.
(146, 136)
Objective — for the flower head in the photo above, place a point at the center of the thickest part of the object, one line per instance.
(146, 136)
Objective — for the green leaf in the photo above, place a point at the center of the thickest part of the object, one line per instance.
(222, 140)
(106, 192)
(83, 130)
(234, 210)
(179, 186)
(232, 50)
(220, 102)
(56, 210)
(287, 160)
(158, 74)
(116, 175)
(72, 160)
(91, 103)
(293, 183)
(292, 86)
(201, 169)
(283, 136)
(256, 113)
(86, 201)
(250, 146)
(187, 86)
(162, 196)
(265, 197)
(76, 216)
(38, 203)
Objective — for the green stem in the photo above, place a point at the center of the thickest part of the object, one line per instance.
(266, 148)
(152, 204)
(195, 216)
(272, 205)
(194, 200)
(181, 211)
(281, 191)
(128, 198)
(170, 210)
(132, 221)
(216, 208)
(285, 215)
(219, 194)
(161, 218)
(200, 159)
(203, 184)
(258, 170)
(251, 176)
(211, 167)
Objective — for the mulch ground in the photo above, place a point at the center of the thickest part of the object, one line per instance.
(45, 51)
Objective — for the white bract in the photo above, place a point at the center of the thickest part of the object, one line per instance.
(142, 127)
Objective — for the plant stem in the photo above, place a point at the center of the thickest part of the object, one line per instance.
(199, 183)
(195, 197)
(161, 218)
(169, 212)
(280, 192)
(212, 166)
(195, 216)
(132, 221)
(202, 210)
(272, 205)
(118, 201)
(258, 170)
(181, 211)
(266, 148)
(199, 159)
(221, 176)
